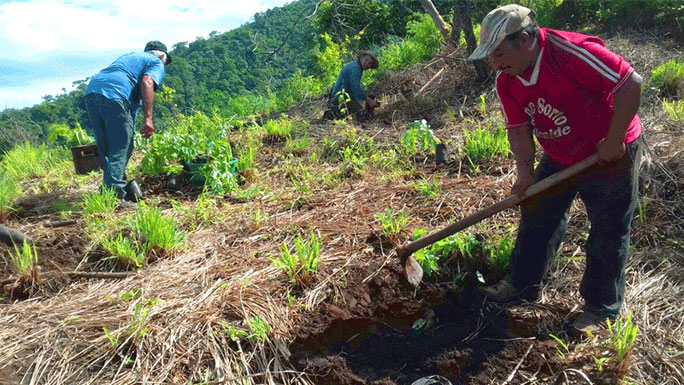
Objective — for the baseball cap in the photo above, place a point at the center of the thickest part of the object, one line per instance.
(500, 23)
(156, 45)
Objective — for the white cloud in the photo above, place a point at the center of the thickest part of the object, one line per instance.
(40, 33)
(39, 26)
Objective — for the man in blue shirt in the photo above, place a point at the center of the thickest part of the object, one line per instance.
(112, 99)
(346, 95)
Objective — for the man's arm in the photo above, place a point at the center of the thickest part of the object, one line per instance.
(522, 146)
(626, 102)
(147, 93)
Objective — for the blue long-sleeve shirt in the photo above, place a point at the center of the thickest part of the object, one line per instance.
(350, 82)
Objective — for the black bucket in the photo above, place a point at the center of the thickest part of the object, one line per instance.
(86, 159)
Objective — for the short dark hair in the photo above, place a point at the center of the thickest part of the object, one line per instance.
(532, 30)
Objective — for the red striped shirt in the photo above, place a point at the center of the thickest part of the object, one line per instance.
(567, 97)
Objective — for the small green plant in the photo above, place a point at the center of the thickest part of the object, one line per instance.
(600, 361)
(622, 335)
(99, 204)
(297, 146)
(301, 265)
(419, 138)
(113, 339)
(124, 250)
(642, 205)
(278, 130)
(565, 348)
(674, 110)
(70, 137)
(430, 256)
(141, 311)
(24, 260)
(392, 223)
(428, 188)
(485, 143)
(232, 331)
(157, 231)
(667, 76)
(260, 329)
(482, 106)
(500, 254)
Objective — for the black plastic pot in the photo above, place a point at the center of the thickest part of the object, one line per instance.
(86, 158)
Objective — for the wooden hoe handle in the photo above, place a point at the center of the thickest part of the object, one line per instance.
(512, 200)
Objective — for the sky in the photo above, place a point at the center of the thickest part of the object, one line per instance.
(46, 45)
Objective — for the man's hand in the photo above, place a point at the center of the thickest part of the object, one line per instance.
(148, 128)
(371, 104)
(611, 150)
(525, 180)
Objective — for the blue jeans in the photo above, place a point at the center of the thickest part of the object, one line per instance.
(113, 126)
(610, 194)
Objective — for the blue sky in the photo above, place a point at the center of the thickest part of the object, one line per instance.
(46, 45)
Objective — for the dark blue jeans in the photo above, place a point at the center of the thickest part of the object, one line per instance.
(610, 194)
(113, 126)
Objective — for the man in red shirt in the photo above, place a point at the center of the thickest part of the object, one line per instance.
(577, 98)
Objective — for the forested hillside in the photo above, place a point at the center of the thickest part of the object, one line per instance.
(255, 58)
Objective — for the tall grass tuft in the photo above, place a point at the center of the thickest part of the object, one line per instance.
(9, 192)
(124, 250)
(667, 76)
(28, 160)
(485, 143)
(674, 110)
(157, 232)
(99, 204)
(24, 259)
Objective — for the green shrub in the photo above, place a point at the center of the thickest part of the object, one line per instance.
(392, 223)
(429, 257)
(192, 138)
(668, 76)
(423, 39)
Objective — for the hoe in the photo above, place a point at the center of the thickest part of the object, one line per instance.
(414, 273)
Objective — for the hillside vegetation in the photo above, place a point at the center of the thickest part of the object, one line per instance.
(273, 262)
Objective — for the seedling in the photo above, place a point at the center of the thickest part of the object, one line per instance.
(428, 188)
(419, 138)
(392, 223)
(600, 361)
(622, 335)
(563, 345)
(301, 265)
(124, 250)
(24, 260)
(260, 329)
